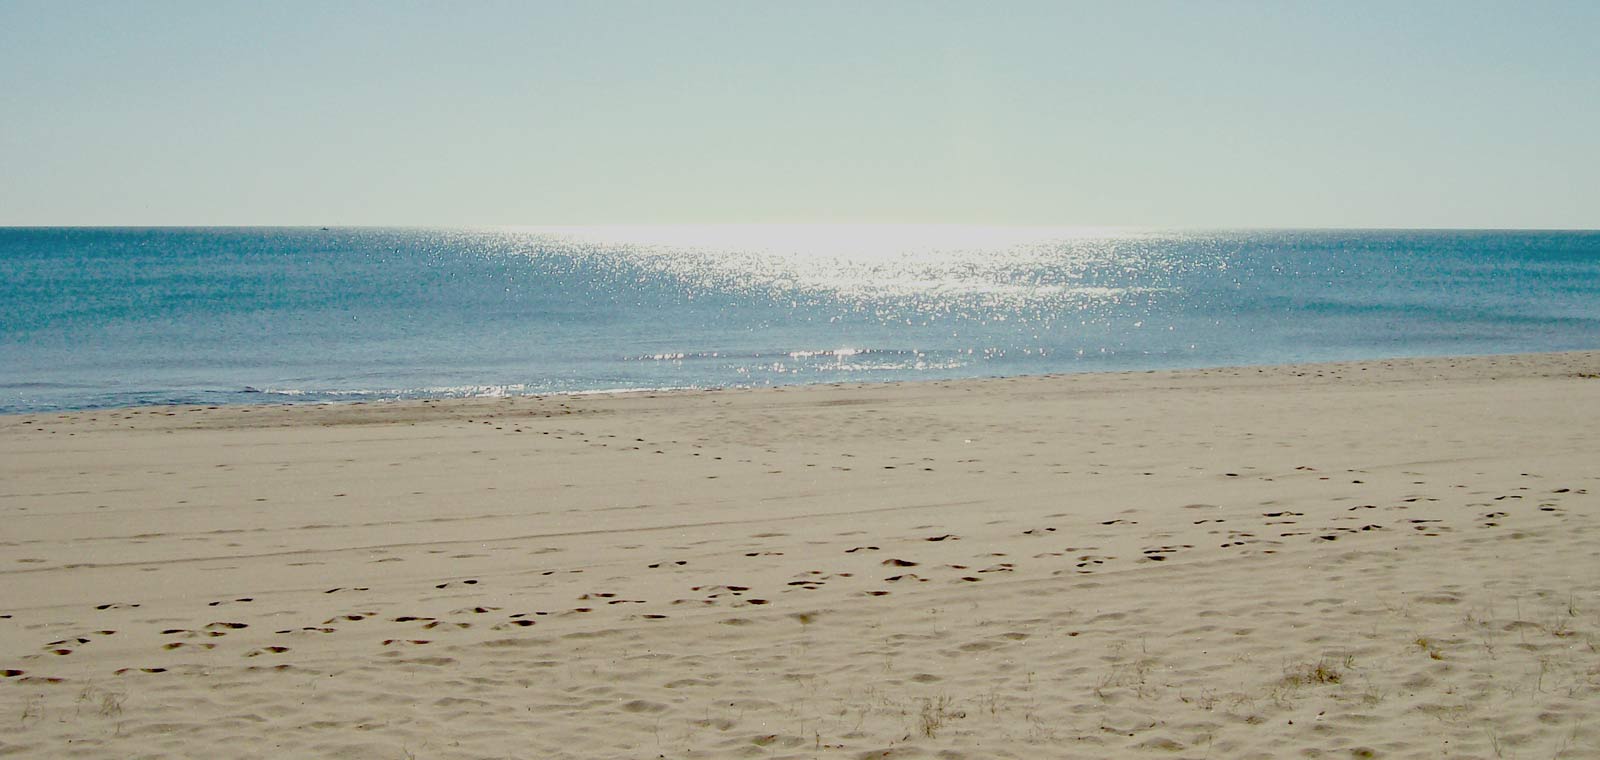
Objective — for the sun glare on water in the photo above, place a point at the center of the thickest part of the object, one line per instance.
(933, 266)
(854, 241)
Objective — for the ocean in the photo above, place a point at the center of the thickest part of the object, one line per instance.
(98, 317)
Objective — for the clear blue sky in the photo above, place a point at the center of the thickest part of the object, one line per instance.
(1331, 114)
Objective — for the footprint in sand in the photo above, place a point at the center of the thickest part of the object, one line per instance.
(452, 583)
(226, 601)
(1158, 554)
(906, 577)
(1089, 560)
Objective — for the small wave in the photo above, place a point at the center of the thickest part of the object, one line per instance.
(921, 366)
(675, 356)
(840, 352)
(31, 385)
(641, 389)
(447, 391)
(802, 353)
(452, 391)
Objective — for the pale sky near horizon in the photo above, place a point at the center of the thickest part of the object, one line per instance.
(1164, 114)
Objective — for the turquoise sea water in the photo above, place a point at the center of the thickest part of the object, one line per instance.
(94, 317)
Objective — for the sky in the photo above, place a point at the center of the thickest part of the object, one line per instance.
(1144, 114)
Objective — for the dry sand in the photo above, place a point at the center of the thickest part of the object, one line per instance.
(1380, 559)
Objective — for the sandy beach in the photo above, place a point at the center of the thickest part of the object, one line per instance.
(1377, 559)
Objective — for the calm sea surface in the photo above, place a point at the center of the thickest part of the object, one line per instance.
(111, 317)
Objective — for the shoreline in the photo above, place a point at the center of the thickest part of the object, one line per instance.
(1387, 558)
(670, 390)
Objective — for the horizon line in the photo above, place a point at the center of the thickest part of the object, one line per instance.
(636, 225)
